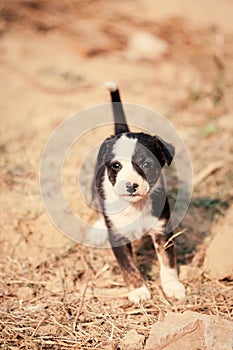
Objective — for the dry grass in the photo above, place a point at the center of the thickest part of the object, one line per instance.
(39, 310)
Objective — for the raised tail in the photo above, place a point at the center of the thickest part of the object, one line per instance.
(118, 112)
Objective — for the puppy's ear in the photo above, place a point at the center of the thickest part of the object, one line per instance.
(104, 155)
(105, 151)
(168, 150)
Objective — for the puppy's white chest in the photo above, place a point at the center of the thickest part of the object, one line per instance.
(133, 220)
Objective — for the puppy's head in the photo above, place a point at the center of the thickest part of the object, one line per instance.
(131, 164)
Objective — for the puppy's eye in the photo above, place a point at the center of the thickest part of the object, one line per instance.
(146, 165)
(116, 166)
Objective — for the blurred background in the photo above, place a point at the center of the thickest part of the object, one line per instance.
(173, 56)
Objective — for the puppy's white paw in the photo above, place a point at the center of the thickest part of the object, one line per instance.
(174, 289)
(98, 234)
(139, 294)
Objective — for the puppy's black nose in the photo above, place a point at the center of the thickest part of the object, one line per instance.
(131, 187)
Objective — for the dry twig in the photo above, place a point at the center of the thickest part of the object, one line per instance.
(170, 242)
(206, 172)
(83, 294)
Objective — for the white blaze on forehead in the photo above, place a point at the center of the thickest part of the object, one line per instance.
(124, 147)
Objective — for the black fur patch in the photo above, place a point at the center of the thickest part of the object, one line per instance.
(161, 150)
(112, 173)
(150, 156)
(105, 155)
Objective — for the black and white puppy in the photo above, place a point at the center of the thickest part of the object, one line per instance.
(131, 191)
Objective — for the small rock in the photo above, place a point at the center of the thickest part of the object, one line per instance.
(191, 330)
(54, 286)
(24, 293)
(47, 329)
(145, 46)
(189, 273)
(132, 341)
(218, 262)
(225, 122)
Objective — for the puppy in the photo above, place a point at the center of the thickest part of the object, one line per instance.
(131, 191)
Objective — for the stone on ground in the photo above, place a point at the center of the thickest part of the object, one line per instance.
(132, 341)
(145, 46)
(191, 330)
(218, 262)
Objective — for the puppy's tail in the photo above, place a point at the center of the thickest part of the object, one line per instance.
(118, 112)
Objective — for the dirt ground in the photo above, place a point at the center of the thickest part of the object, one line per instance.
(55, 57)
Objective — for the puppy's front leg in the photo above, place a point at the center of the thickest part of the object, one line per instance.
(170, 283)
(132, 277)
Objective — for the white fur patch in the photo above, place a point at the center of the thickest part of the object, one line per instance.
(124, 148)
(172, 287)
(139, 294)
(128, 219)
(155, 225)
(111, 196)
(111, 86)
(132, 220)
(98, 235)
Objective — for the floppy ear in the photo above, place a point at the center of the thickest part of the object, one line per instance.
(105, 151)
(167, 149)
(104, 155)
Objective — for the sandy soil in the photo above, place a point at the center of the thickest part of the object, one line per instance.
(55, 58)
